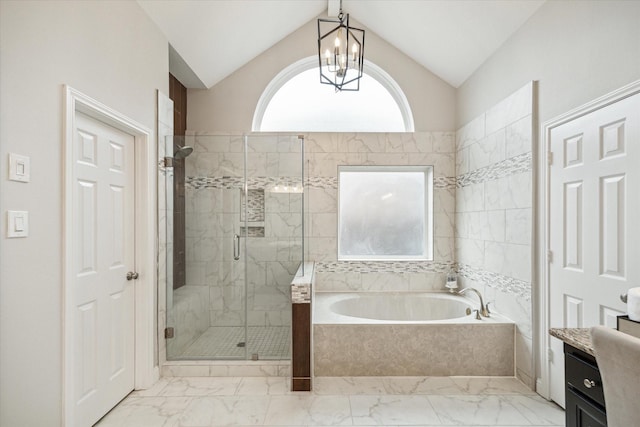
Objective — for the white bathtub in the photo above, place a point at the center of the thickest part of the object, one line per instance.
(408, 333)
(400, 307)
(395, 307)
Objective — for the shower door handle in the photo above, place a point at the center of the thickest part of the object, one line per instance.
(236, 247)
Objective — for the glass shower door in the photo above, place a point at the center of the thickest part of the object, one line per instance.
(207, 316)
(243, 244)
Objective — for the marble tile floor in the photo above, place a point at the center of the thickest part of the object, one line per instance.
(359, 401)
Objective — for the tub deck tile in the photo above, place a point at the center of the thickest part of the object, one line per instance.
(414, 349)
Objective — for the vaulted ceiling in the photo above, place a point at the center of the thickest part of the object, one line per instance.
(451, 38)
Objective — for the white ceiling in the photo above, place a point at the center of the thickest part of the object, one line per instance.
(451, 38)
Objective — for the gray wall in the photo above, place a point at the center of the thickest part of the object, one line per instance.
(112, 52)
(576, 50)
(229, 105)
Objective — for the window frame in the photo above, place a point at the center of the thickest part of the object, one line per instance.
(311, 62)
(428, 254)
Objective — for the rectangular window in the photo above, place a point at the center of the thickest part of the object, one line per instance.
(385, 213)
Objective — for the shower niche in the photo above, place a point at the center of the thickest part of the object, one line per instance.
(243, 243)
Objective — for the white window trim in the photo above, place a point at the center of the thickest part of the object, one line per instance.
(311, 62)
(428, 210)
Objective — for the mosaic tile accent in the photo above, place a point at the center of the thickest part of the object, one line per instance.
(328, 182)
(252, 232)
(255, 205)
(263, 182)
(383, 267)
(508, 167)
(446, 182)
(301, 294)
(268, 342)
(498, 281)
(217, 182)
(231, 182)
(331, 182)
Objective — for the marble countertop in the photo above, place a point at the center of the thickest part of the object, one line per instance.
(580, 338)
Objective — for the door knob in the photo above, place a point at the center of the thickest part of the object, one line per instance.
(132, 276)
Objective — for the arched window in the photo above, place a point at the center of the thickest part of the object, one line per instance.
(295, 101)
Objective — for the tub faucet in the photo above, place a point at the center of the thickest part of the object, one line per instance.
(483, 309)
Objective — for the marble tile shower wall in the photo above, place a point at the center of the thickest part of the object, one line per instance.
(493, 220)
(215, 212)
(324, 152)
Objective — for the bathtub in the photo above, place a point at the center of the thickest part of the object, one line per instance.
(408, 334)
(392, 307)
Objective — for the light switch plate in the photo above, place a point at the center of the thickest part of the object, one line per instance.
(17, 224)
(19, 168)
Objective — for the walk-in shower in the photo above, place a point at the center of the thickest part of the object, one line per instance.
(242, 244)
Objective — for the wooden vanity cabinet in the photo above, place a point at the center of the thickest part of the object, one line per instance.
(584, 395)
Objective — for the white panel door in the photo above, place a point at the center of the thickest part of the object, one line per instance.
(103, 251)
(594, 228)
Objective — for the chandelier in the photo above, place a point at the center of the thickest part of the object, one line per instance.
(340, 53)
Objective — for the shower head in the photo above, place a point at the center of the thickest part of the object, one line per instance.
(182, 152)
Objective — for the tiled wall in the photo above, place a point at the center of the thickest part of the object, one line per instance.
(323, 153)
(493, 220)
(482, 189)
(215, 212)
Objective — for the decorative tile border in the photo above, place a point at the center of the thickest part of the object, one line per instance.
(383, 267)
(232, 182)
(327, 182)
(324, 182)
(445, 182)
(498, 281)
(495, 280)
(331, 182)
(301, 294)
(217, 182)
(517, 164)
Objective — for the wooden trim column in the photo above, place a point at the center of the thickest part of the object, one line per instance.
(178, 94)
(301, 337)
